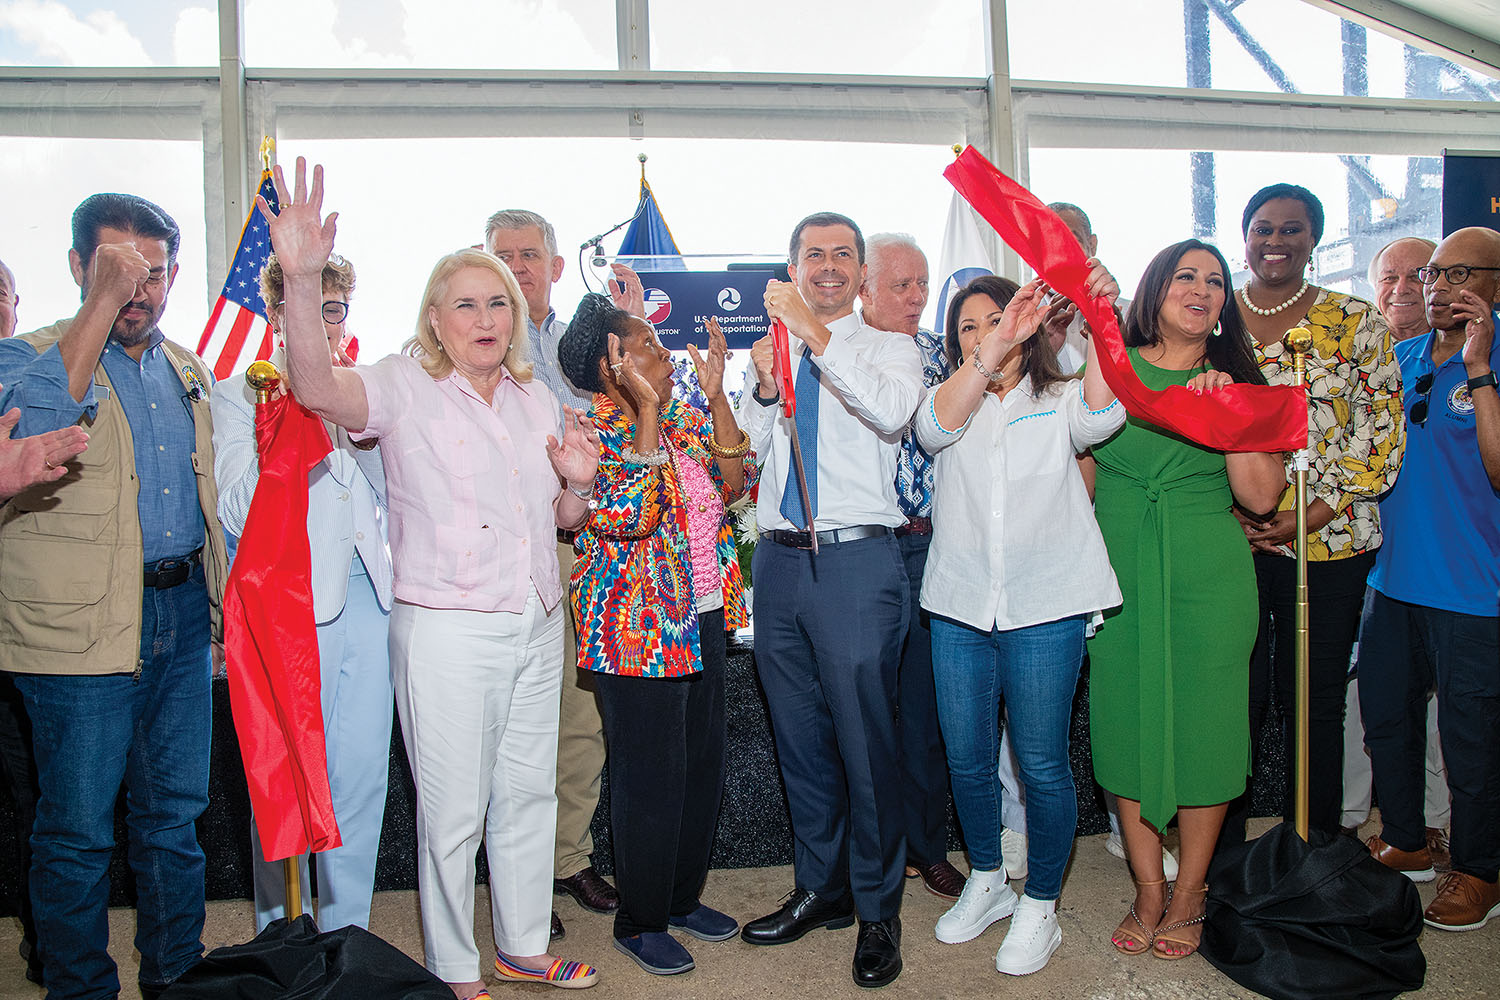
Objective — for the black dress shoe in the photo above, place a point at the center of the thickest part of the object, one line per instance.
(590, 890)
(877, 956)
(801, 911)
(558, 931)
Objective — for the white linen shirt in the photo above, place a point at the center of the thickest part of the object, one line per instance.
(1014, 540)
(871, 383)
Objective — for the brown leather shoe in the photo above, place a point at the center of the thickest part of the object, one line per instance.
(1464, 903)
(941, 879)
(558, 931)
(590, 890)
(1437, 846)
(1415, 865)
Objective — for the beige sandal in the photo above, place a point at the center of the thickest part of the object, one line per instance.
(1163, 935)
(1125, 939)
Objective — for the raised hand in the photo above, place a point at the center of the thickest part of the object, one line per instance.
(1022, 318)
(41, 458)
(626, 290)
(711, 369)
(633, 385)
(300, 235)
(785, 302)
(1479, 330)
(116, 273)
(576, 457)
(1102, 284)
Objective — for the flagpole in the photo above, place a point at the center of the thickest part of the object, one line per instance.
(263, 377)
(267, 152)
(1299, 341)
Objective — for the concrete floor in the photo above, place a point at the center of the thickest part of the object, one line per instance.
(1095, 897)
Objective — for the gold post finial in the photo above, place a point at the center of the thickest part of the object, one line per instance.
(267, 152)
(263, 377)
(1298, 340)
(642, 158)
(958, 149)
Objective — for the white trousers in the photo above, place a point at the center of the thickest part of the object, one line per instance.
(478, 695)
(1358, 779)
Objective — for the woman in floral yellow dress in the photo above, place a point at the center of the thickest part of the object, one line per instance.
(1356, 435)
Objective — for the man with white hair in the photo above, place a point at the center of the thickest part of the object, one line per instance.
(892, 298)
(1398, 291)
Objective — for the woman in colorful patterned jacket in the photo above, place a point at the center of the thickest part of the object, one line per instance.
(655, 585)
(1355, 436)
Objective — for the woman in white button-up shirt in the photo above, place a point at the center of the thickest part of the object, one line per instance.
(1016, 570)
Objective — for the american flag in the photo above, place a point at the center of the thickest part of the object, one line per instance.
(238, 332)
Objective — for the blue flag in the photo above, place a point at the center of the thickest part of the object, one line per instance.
(649, 237)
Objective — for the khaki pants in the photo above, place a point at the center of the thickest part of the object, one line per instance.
(580, 749)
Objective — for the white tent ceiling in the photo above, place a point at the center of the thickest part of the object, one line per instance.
(1466, 31)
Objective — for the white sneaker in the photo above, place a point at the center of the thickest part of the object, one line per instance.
(1116, 846)
(985, 899)
(1013, 852)
(1033, 936)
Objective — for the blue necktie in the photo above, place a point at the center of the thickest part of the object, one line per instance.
(807, 432)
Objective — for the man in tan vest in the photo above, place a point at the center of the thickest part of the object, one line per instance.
(110, 590)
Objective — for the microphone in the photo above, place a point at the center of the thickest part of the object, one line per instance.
(598, 260)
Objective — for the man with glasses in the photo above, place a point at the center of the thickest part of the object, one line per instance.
(1432, 612)
(113, 579)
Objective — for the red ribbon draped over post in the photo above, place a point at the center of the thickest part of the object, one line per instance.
(271, 641)
(1236, 418)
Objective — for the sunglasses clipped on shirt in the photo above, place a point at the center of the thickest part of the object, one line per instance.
(1423, 386)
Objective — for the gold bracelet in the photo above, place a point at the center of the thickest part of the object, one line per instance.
(737, 451)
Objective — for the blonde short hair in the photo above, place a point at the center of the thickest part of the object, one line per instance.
(338, 276)
(424, 346)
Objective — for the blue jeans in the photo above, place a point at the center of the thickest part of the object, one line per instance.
(1035, 669)
(151, 733)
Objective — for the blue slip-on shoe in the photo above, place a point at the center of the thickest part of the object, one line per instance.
(706, 924)
(658, 952)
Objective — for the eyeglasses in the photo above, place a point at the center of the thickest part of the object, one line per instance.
(1423, 385)
(1456, 274)
(334, 311)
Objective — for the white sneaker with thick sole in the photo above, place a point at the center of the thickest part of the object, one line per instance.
(985, 899)
(1116, 846)
(1013, 853)
(1033, 936)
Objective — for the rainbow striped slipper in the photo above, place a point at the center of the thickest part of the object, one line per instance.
(568, 975)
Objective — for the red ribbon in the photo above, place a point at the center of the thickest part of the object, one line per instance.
(781, 367)
(1236, 418)
(271, 641)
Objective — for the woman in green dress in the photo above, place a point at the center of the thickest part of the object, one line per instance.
(1169, 681)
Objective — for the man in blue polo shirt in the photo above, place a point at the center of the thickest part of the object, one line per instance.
(1432, 612)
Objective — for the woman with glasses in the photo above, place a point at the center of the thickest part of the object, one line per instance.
(351, 585)
(1355, 435)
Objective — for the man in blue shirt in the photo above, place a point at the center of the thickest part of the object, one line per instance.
(112, 583)
(1432, 612)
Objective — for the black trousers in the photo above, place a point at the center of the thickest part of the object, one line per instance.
(19, 766)
(828, 634)
(1335, 593)
(924, 763)
(1404, 649)
(666, 779)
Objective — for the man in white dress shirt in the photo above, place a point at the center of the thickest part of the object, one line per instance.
(829, 626)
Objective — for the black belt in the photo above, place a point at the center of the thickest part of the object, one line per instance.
(167, 573)
(565, 536)
(803, 539)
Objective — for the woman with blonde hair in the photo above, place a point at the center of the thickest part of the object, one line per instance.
(482, 466)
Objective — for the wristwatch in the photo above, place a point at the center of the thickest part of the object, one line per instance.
(1487, 379)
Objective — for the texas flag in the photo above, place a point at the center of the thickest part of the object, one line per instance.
(964, 256)
(237, 331)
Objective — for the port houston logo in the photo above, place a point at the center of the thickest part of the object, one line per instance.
(658, 305)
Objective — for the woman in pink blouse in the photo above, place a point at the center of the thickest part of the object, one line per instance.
(655, 585)
(482, 467)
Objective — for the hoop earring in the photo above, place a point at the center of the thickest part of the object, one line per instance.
(1218, 328)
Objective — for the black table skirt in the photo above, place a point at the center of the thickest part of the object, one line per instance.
(754, 830)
